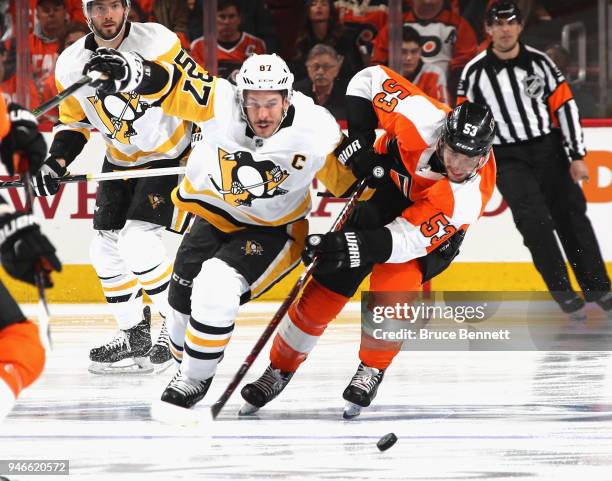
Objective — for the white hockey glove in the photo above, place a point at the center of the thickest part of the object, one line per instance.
(46, 179)
(125, 70)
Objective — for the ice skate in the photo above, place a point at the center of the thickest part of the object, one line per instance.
(605, 302)
(185, 392)
(362, 389)
(160, 356)
(259, 393)
(127, 352)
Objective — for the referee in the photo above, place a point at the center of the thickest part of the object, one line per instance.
(539, 149)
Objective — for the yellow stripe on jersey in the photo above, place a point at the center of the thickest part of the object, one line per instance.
(70, 110)
(285, 261)
(216, 220)
(171, 143)
(337, 177)
(127, 285)
(192, 206)
(191, 95)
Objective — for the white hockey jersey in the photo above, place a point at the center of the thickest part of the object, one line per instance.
(136, 128)
(235, 179)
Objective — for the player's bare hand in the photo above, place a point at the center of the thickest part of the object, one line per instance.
(579, 171)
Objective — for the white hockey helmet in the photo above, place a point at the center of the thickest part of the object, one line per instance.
(87, 4)
(264, 72)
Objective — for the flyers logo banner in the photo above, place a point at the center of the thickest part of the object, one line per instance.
(118, 113)
(244, 179)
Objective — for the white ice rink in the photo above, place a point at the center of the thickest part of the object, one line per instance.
(458, 415)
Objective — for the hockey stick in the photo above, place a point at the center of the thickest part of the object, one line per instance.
(100, 177)
(39, 275)
(59, 98)
(284, 307)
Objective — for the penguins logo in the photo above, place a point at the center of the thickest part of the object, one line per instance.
(252, 248)
(118, 113)
(243, 179)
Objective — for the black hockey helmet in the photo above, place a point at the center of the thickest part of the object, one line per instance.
(504, 9)
(469, 129)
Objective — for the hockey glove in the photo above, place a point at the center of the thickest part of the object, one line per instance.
(23, 138)
(25, 250)
(362, 160)
(439, 259)
(348, 249)
(124, 70)
(46, 179)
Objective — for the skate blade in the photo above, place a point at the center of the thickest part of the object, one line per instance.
(351, 410)
(247, 409)
(162, 367)
(137, 365)
(173, 415)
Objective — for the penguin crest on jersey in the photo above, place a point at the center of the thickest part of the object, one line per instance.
(118, 112)
(243, 179)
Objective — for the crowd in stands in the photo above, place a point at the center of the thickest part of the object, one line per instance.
(324, 41)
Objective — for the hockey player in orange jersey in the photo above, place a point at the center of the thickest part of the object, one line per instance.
(441, 174)
(22, 245)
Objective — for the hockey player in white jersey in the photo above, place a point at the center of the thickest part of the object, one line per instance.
(248, 182)
(126, 251)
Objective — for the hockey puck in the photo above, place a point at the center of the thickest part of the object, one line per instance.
(386, 441)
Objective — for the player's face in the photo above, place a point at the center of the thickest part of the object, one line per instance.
(323, 70)
(411, 54)
(228, 23)
(427, 9)
(459, 166)
(504, 34)
(265, 110)
(107, 17)
(319, 11)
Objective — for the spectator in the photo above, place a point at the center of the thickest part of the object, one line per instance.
(255, 19)
(74, 31)
(587, 103)
(8, 81)
(196, 17)
(233, 45)
(323, 85)
(428, 77)
(173, 14)
(75, 11)
(449, 40)
(364, 19)
(321, 26)
(137, 14)
(44, 41)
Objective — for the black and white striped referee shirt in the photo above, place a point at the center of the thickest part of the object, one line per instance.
(528, 96)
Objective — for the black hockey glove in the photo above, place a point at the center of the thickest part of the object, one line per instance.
(23, 138)
(25, 250)
(362, 160)
(348, 249)
(46, 179)
(125, 70)
(439, 259)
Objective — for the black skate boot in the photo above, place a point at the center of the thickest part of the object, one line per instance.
(127, 352)
(259, 393)
(185, 392)
(160, 356)
(575, 310)
(605, 302)
(362, 389)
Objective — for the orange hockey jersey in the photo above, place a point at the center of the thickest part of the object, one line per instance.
(431, 80)
(412, 124)
(448, 40)
(229, 60)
